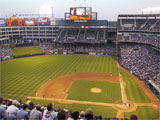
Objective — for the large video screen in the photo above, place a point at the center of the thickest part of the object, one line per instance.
(80, 13)
(73, 11)
(88, 11)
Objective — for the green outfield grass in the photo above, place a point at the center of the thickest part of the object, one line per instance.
(27, 50)
(22, 77)
(144, 113)
(110, 91)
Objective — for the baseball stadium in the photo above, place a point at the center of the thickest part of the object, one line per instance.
(86, 67)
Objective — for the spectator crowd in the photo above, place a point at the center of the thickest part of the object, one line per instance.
(5, 51)
(16, 110)
(47, 46)
(142, 60)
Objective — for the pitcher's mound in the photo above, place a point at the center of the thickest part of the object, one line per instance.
(96, 90)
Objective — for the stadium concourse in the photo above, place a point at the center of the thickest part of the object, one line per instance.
(134, 41)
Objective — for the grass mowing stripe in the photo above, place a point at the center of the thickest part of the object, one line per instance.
(31, 73)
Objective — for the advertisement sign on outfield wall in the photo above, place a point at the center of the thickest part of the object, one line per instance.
(91, 53)
(29, 21)
(2, 22)
(14, 21)
(42, 21)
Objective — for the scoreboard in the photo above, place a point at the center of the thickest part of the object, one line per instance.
(80, 13)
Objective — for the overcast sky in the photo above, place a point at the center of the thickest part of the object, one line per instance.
(107, 9)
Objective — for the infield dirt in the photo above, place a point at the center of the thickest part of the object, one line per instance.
(58, 87)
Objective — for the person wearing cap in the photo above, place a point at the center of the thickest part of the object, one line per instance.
(3, 114)
(89, 114)
(23, 114)
(36, 113)
(82, 115)
(12, 110)
(49, 114)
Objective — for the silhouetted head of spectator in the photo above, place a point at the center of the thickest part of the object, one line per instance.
(20, 101)
(50, 107)
(99, 118)
(9, 102)
(61, 115)
(25, 106)
(30, 107)
(82, 114)
(89, 114)
(1, 100)
(15, 102)
(75, 115)
(133, 117)
(38, 107)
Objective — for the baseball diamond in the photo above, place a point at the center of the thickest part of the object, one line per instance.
(47, 79)
(79, 67)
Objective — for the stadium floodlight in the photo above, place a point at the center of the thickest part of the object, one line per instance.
(45, 10)
(151, 10)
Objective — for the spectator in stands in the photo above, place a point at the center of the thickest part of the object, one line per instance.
(74, 116)
(89, 114)
(49, 114)
(142, 60)
(5, 52)
(82, 115)
(36, 113)
(3, 114)
(61, 115)
(133, 117)
(12, 110)
(23, 114)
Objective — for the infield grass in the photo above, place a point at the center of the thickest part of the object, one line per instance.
(27, 50)
(80, 90)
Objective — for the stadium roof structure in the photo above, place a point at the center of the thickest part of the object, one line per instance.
(151, 10)
(157, 16)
